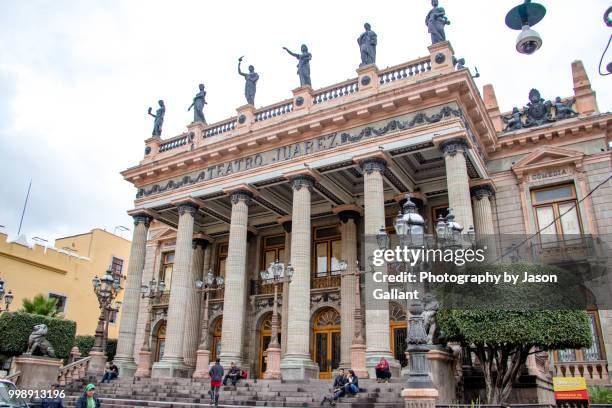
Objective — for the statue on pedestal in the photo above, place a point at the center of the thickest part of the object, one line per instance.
(564, 110)
(159, 118)
(303, 65)
(38, 343)
(198, 105)
(435, 22)
(250, 85)
(513, 122)
(367, 45)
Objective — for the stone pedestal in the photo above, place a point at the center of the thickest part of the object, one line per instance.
(358, 360)
(420, 397)
(298, 368)
(273, 369)
(442, 374)
(202, 364)
(97, 364)
(37, 373)
(144, 364)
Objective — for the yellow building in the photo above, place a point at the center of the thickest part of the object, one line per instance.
(65, 272)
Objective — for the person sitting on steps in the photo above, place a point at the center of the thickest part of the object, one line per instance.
(339, 382)
(383, 373)
(234, 374)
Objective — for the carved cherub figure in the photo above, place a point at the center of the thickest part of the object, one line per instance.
(563, 110)
(513, 122)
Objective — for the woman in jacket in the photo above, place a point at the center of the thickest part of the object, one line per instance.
(88, 399)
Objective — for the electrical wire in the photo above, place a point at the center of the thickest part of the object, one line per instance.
(515, 247)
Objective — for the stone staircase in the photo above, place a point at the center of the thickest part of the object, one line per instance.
(187, 393)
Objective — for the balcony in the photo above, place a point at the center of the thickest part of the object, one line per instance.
(325, 282)
(594, 372)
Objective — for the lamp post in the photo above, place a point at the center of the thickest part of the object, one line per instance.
(152, 292)
(8, 297)
(275, 274)
(210, 284)
(106, 289)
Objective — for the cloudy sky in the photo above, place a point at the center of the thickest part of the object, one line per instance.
(76, 78)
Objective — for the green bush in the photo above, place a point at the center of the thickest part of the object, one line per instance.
(15, 329)
(86, 343)
(600, 395)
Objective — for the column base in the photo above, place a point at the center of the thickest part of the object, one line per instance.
(273, 369)
(127, 366)
(97, 364)
(144, 364)
(170, 369)
(202, 364)
(420, 397)
(298, 367)
(373, 357)
(358, 360)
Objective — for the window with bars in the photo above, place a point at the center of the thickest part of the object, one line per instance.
(117, 267)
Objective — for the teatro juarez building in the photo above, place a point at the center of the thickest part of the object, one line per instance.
(303, 181)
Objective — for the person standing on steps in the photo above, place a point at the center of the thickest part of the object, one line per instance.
(216, 377)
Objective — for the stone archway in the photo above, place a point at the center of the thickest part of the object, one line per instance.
(215, 338)
(398, 332)
(326, 341)
(264, 335)
(158, 339)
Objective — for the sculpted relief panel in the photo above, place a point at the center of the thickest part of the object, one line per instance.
(307, 148)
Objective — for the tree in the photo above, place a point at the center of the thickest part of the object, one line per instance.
(502, 339)
(40, 305)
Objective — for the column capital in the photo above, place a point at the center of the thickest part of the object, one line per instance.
(481, 191)
(285, 222)
(199, 242)
(187, 208)
(142, 218)
(348, 212)
(240, 195)
(302, 180)
(370, 164)
(453, 146)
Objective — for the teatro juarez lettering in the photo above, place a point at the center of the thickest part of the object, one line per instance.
(305, 148)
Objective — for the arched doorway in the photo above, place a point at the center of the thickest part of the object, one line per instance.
(265, 335)
(160, 340)
(326, 340)
(215, 350)
(398, 332)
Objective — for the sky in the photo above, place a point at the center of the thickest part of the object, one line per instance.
(76, 78)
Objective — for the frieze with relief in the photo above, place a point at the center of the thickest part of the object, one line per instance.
(307, 148)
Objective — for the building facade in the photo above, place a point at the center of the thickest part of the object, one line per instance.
(65, 272)
(304, 181)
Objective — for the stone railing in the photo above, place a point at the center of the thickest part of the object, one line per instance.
(278, 109)
(406, 70)
(162, 300)
(323, 282)
(220, 127)
(335, 91)
(594, 372)
(73, 371)
(175, 142)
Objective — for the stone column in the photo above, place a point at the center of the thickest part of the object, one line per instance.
(172, 363)
(296, 364)
(483, 219)
(285, 305)
(131, 299)
(377, 311)
(234, 304)
(348, 229)
(457, 181)
(192, 310)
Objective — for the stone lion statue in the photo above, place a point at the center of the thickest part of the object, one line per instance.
(38, 343)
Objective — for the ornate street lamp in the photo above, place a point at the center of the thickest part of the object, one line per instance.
(410, 226)
(153, 292)
(277, 275)
(106, 289)
(211, 283)
(448, 231)
(8, 297)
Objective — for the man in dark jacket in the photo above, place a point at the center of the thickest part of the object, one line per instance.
(234, 374)
(216, 375)
(339, 390)
(88, 399)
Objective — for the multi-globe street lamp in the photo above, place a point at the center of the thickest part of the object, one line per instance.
(8, 297)
(106, 289)
(211, 283)
(276, 274)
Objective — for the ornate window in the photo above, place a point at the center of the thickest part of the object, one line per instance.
(273, 249)
(327, 251)
(165, 273)
(593, 353)
(117, 267)
(556, 213)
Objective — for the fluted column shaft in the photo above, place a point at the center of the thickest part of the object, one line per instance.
(377, 311)
(234, 305)
(348, 230)
(483, 219)
(192, 310)
(172, 363)
(296, 363)
(131, 299)
(457, 182)
(285, 305)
